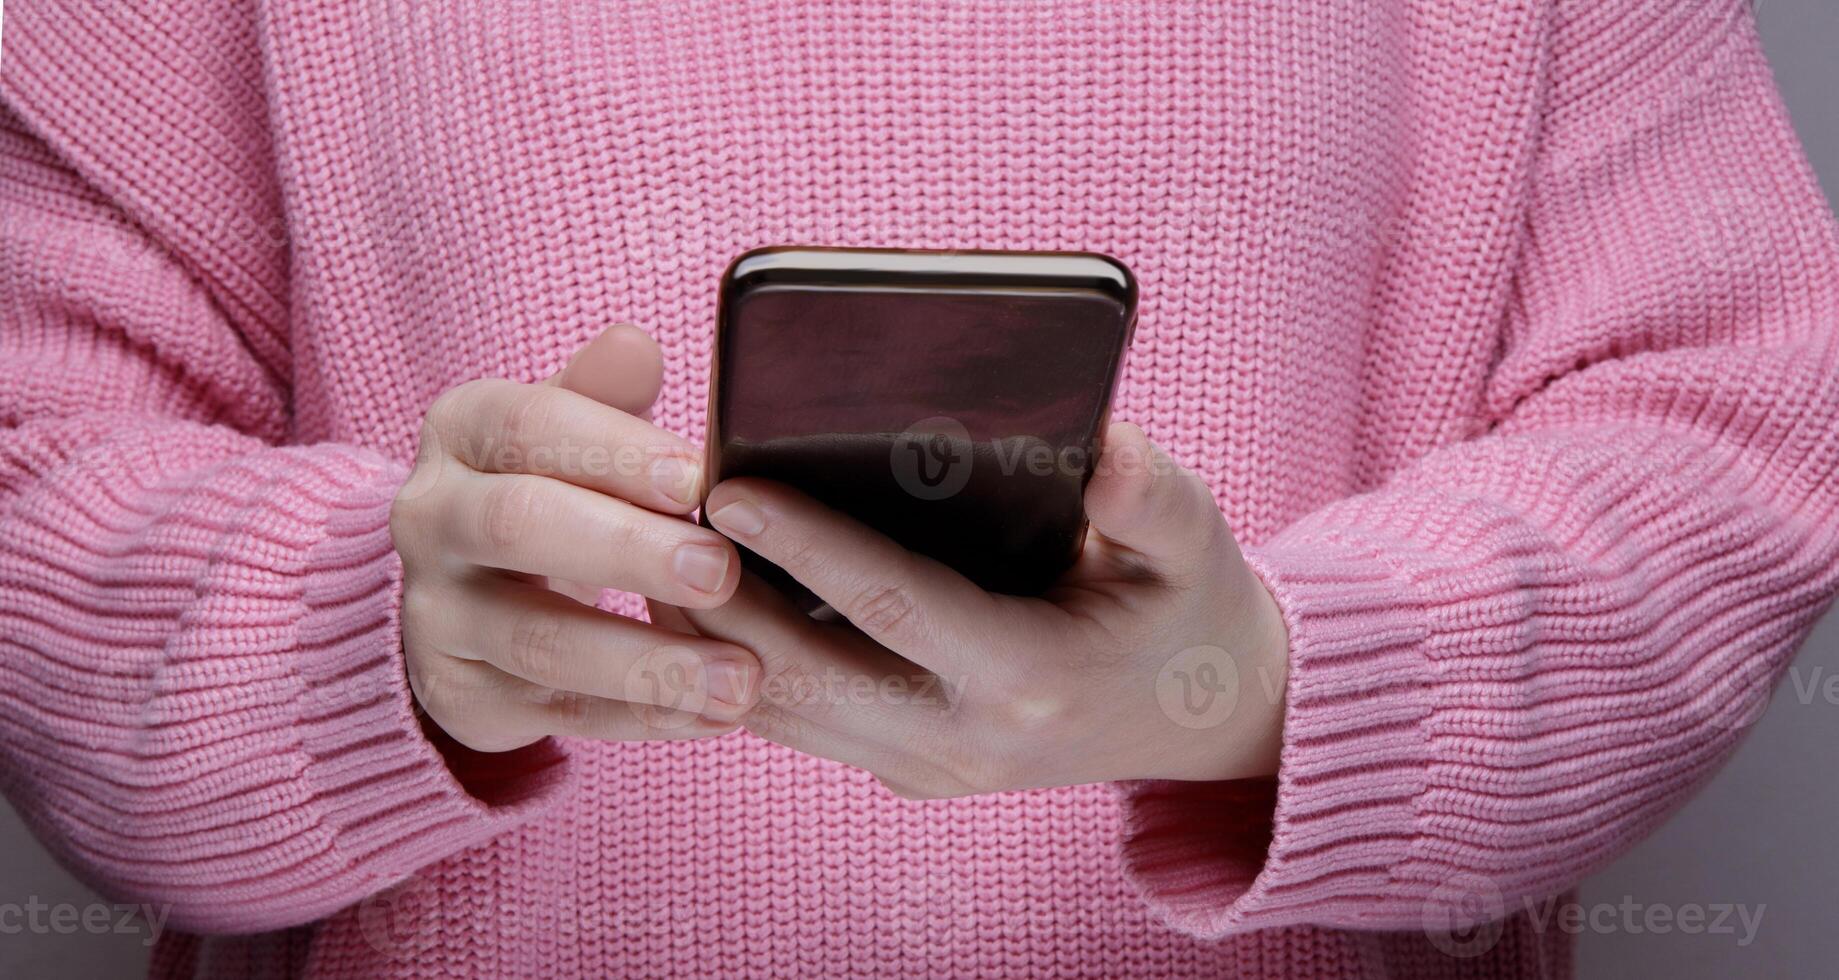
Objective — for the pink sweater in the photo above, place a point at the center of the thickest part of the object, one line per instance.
(1505, 333)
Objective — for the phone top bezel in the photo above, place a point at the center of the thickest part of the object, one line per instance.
(971, 268)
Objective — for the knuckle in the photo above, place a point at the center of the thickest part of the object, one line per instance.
(413, 511)
(536, 645)
(569, 708)
(418, 609)
(528, 416)
(887, 610)
(449, 414)
(507, 512)
(779, 683)
(788, 682)
(775, 725)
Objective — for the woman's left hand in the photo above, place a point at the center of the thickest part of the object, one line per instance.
(1158, 655)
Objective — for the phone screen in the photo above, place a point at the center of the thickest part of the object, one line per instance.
(958, 412)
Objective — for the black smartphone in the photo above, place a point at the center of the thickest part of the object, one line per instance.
(952, 400)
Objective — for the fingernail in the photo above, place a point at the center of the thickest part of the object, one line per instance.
(675, 477)
(740, 517)
(703, 567)
(727, 682)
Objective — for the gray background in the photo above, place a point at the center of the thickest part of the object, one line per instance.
(1759, 836)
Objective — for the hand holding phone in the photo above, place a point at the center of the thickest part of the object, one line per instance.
(1158, 655)
(912, 441)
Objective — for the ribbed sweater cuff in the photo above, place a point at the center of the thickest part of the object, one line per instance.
(394, 801)
(1221, 857)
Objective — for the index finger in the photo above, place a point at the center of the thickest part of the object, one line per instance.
(496, 426)
(909, 603)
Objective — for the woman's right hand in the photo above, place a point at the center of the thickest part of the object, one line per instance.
(522, 492)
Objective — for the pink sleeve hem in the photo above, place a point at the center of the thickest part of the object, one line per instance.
(1217, 858)
(391, 797)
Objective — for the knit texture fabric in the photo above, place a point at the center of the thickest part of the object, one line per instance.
(1504, 333)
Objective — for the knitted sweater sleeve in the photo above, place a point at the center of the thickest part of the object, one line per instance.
(202, 701)
(1514, 658)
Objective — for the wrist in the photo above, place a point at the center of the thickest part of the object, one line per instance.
(1265, 669)
(1226, 698)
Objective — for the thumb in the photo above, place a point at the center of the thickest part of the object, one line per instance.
(1142, 501)
(621, 368)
